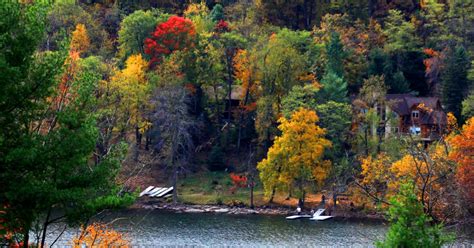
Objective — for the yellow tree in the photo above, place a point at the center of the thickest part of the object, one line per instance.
(432, 173)
(295, 158)
(80, 40)
(131, 90)
(375, 176)
(246, 73)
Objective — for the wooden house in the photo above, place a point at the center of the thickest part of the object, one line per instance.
(419, 116)
(405, 114)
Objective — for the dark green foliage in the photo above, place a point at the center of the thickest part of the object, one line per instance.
(217, 13)
(215, 161)
(336, 118)
(334, 88)
(135, 28)
(45, 154)
(335, 55)
(410, 226)
(300, 97)
(468, 106)
(413, 69)
(381, 64)
(454, 79)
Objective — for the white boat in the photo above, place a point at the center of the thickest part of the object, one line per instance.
(323, 217)
(147, 190)
(317, 215)
(165, 192)
(301, 216)
(158, 192)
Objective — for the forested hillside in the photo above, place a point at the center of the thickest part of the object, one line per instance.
(354, 98)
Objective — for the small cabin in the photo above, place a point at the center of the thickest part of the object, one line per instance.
(420, 116)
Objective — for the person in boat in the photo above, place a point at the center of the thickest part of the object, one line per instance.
(298, 208)
(323, 200)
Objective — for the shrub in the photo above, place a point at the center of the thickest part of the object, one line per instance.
(215, 161)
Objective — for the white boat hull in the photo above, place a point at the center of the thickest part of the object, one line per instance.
(320, 218)
(295, 217)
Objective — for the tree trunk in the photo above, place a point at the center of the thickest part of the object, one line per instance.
(251, 192)
(272, 195)
(241, 117)
(138, 137)
(147, 141)
(229, 82)
(26, 237)
(175, 183)
(45, 227)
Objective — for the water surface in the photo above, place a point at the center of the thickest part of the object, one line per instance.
(154, 228)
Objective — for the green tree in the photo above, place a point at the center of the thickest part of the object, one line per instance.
(334, 85)
(410, 226)
(401, 34)
(335, 117)
(460, 19)
(217, 13)
(468, 106)
(334, 88)
(46, 147)
(300, 97)
(281, 67)
(62, 19)
(454, 79)
(135, 28)
(382, 64)
(335, 55)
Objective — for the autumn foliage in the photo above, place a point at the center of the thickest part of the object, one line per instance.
(177, 33)
(296, 157)
(80, 41)
(98, 235)
(463, 154)
(238, 181)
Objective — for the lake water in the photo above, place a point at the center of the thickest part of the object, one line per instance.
(153, 228)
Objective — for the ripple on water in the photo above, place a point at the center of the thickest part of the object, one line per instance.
(154, 228)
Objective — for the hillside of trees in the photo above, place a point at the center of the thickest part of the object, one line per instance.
(285, 93)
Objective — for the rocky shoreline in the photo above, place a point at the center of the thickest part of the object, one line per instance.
(218, 209)
(243, 210)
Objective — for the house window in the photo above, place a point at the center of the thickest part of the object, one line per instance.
(415, 114)
(415, 130)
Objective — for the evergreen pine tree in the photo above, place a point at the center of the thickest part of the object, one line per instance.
(336, 55)
(454, 80)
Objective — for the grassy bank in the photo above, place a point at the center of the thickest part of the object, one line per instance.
(215, 188)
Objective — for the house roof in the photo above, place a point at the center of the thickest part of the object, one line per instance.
(432, 113)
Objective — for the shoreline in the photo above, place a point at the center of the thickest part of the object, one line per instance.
(245, 210)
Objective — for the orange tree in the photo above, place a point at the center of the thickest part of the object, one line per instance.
(463, 154)
(98, 235)
(428, 168)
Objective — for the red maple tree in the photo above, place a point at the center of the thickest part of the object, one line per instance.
(238, 181)
(222, 26)
(177, 33)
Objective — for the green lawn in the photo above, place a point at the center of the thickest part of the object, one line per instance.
(215, 188)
